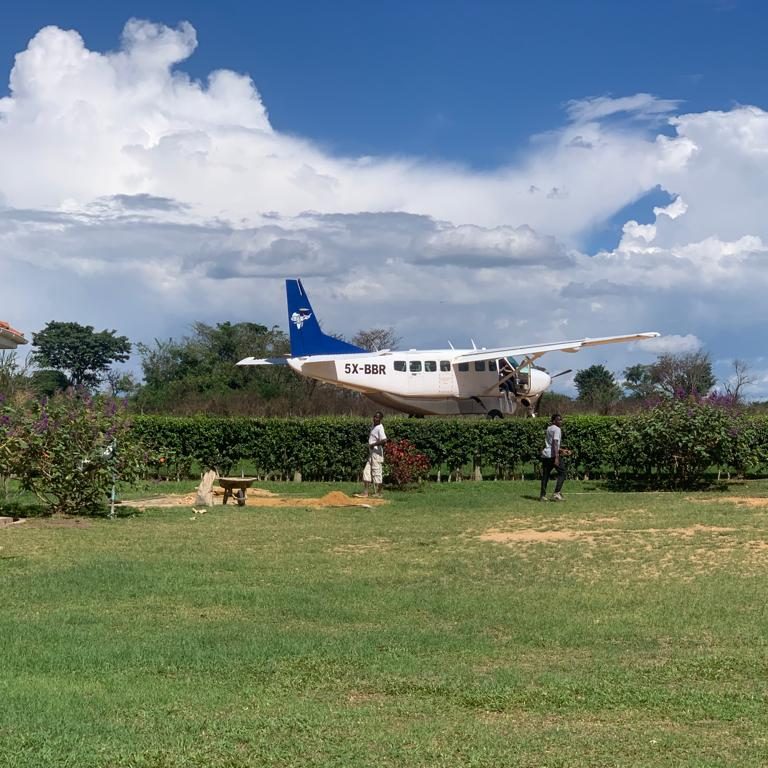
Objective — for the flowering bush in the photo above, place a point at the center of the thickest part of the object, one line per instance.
(69, 449)
(405, 463)
(680, 438)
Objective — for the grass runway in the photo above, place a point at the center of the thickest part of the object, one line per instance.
(464, 625)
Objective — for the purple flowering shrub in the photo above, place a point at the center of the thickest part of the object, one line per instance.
(69, 449)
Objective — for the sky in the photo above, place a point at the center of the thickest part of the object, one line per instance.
(503, 172)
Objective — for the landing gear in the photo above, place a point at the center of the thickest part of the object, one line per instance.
(494, 414)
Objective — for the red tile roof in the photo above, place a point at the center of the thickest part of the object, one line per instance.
(10, 338)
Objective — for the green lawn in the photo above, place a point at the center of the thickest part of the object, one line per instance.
(465, 625)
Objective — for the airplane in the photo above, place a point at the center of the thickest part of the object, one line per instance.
(421, 382)
(10, 338)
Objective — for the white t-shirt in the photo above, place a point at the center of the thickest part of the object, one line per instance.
(554, 434)
(377, 433)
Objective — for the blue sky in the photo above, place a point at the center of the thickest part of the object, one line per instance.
(509, 158)
(465, 81)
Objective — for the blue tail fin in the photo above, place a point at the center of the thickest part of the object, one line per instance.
(306, 336)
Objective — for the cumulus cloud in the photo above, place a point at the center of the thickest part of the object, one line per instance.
(135, 197)
(671, 344)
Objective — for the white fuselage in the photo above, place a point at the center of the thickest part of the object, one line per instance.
(428, 381)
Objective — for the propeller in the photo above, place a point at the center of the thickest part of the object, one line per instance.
(536, 407)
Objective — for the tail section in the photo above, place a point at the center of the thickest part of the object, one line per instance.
(307, 338)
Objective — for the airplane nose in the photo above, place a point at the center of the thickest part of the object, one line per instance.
(540, 381)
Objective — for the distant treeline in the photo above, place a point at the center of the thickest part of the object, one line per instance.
(198, 374)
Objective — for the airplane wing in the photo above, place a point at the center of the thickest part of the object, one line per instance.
(534, 351)
(263, 361)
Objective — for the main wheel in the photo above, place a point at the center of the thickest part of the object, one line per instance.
(494, 414)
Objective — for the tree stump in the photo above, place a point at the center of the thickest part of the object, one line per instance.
(205, 489)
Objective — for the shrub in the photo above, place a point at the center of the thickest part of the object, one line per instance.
(679, 439)
(69, 450)
(405, 464)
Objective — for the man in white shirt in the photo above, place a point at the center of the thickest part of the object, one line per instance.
(551, 459)
(373, 471)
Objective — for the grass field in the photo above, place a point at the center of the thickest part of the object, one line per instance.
(466, 625)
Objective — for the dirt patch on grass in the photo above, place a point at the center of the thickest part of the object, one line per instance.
(261, 498)
(58, 522)
(742, 501)
(529, 536)
(691, 530)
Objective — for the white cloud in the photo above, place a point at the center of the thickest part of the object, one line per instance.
(671, 344)
(139, 199)
(640, 105)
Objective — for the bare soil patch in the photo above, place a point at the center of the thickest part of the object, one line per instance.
(742, 501)
(58, 522)
(526, 536)
(258, 497)
(530, 535)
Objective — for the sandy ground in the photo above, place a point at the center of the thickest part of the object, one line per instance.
(258, 497)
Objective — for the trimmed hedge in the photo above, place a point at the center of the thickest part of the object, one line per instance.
(334, 448)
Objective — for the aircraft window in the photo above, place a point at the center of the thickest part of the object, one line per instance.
(491, 365)
(463, 367)
(479, 365)
(445, 365)
(399, 365)
(415, 366)
(430, 366)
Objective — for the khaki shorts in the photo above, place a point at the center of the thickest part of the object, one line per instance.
(372, 472)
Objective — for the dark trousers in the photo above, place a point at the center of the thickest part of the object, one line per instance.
(547, 465)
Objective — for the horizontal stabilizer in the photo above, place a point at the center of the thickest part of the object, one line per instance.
(263, 361)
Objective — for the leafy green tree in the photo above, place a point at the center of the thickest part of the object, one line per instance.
(685, 374)
(199, 372)
(551, 403)
(597, 387)
(639, 382)
(79, 351)
(47, 382)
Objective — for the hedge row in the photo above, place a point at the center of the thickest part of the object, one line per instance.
(335, 448)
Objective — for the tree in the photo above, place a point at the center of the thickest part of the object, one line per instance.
(638, 381)
(47, 382)
(199, 372)
(376, 339)
(684, 374)
(597, 387)
(79, 351)
(742, 377)
(121, 383)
